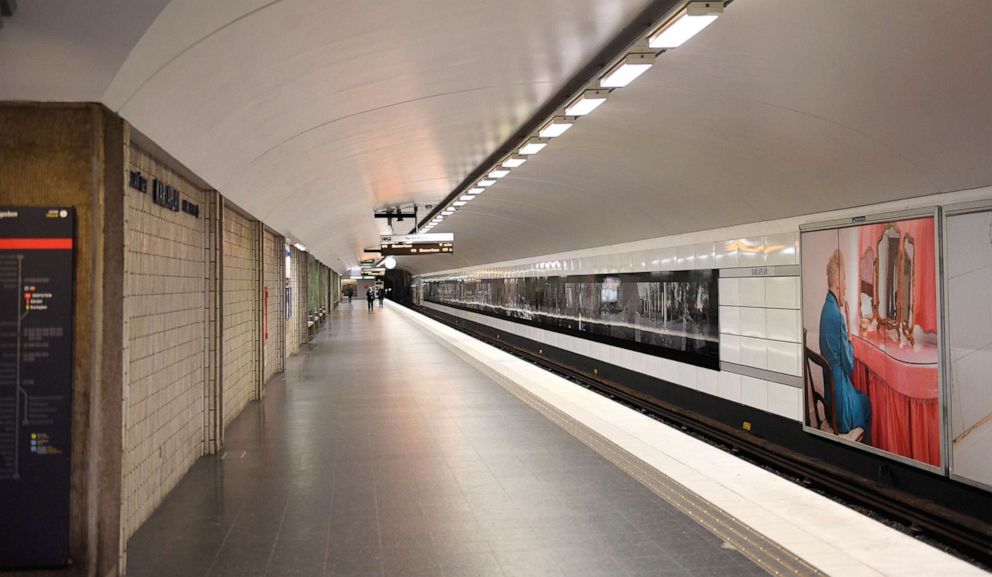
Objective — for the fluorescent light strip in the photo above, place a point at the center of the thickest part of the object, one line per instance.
(586, 102)
(686, 23)
(460, 203)
(556, 127)
(533, 146)
(485, 183)
(466, 197)
(475, 190)
(513, 161)
(624, 72)
(498, 173)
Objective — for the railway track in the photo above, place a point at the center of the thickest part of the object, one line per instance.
(968, 537)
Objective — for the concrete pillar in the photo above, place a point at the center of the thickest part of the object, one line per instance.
(73, 154)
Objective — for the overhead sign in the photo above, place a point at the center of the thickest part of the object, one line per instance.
(406, 249)
(36, 307)
(378, 271)
(417, 238)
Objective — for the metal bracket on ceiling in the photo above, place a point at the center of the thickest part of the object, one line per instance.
(394, 213)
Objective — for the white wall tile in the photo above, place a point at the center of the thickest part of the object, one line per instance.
(726, 254)
(729, 386)
(781, 292)
(783, 400)
(707, 381)
(781, 249)
(782, 324)
(752, 292)
(754, 392)
(730, 348)
(662, 258)
(687, 375)
(754, 353)
(670, 371)
(784, 357)
(685, 257)
(730, 291)
(730, 320)
(752, 322)
(752, 251)
(705, 255)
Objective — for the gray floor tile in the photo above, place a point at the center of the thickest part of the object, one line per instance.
(380, 453)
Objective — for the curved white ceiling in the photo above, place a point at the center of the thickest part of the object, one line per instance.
(311, 113)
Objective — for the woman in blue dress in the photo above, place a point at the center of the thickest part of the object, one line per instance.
(852, 408)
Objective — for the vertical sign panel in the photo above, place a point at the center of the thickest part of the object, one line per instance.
(36, 296)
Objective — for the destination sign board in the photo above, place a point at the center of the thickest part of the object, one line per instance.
(406, 249)
(417, 238)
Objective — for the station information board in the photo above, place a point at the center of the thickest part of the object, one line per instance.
(36, 306)
(406, 249)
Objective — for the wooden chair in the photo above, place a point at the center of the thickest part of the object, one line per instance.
(828, 422)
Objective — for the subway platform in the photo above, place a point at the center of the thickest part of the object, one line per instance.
(399, 446)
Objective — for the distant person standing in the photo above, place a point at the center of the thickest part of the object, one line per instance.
(370, 297)
(382, 296)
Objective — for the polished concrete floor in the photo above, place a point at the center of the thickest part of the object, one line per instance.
(381, 453)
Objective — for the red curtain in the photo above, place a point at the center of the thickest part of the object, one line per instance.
(900, 424)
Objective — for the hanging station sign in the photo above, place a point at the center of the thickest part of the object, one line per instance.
(417, 244)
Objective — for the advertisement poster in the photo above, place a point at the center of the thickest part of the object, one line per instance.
(968, 240)
(673, 314)
(870, 325)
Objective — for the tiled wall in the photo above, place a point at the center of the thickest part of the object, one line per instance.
(274, 262)
(759, 314)
(241, 307)
(165, 341)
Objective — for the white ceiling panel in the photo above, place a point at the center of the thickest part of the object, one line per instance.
(780, 108)
(311, 114)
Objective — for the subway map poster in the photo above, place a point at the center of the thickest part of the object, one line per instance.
(36, 306)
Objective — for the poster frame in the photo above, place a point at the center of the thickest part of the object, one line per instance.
(874, 218)
(948, 211)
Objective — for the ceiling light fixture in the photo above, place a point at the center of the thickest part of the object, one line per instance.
(586, 102)
(532, 146)
(300, 247)
(498, 173)
(556, 127)
(460, 203)
(466, 197)
(475, 190)
(624, 72)
(685, 24)
(485, 183)
(513, 161)
(389, 262)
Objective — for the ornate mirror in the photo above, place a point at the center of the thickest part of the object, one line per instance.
(905, 288)
(866, 288)
(886, 287)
